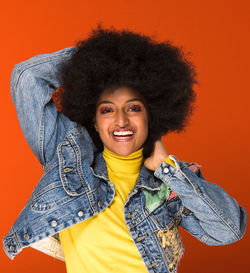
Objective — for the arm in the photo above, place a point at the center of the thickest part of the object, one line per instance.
(32, 84)
(213, 216)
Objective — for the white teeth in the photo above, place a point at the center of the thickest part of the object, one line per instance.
(123, 133)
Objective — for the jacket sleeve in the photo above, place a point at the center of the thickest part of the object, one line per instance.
(32, 84)
(209, 214)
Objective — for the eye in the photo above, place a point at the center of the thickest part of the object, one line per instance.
(105, 110)
(134, 108)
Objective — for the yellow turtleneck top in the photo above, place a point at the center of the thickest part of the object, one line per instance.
(103, 243)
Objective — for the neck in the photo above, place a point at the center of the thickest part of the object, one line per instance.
(129, 164)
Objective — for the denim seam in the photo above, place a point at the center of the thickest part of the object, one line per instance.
(41, 130)
(49, 206)
(209, 202)
(49, 167)
(157, 243)
(41, 139)
(7, 251)
(139, 219)
(64, 180)
(47, 188)
(78, 161)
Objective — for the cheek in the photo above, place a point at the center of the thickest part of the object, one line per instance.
(98, 123)
(143, 126)
(146, 131)
(101, 125)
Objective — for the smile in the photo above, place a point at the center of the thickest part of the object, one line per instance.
(123, 135)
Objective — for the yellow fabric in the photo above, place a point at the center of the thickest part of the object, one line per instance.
(103, 244)
(169, 161)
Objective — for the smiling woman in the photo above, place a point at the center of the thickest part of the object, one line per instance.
(121, 121)
(111, 198)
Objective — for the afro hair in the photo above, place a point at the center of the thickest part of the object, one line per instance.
(110, 59)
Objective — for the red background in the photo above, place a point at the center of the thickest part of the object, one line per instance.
(217, 34)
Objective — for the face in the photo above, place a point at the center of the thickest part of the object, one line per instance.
(121, 121)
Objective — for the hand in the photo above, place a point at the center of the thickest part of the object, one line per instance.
(157, 157)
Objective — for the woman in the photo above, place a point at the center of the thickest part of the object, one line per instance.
(111, 197)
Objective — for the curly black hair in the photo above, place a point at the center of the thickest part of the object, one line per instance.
(110, 59)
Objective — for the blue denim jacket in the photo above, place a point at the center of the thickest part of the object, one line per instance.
(75, 184)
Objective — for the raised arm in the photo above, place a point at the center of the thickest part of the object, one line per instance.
(210, 214)
(32, 84)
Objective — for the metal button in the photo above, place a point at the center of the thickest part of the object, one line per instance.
(54, 223)
(153, 264)
(198, 190)
(66, 170)
(100, 204)
(12, 248)
(166, 170)
(131, 215)
(80, 213)
(141, 238)
(26, 237)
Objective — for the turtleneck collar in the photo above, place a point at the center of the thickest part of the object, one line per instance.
(129, 164)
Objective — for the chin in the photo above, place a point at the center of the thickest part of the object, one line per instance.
(123, 152)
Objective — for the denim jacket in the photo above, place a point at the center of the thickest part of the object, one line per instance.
(75, 184)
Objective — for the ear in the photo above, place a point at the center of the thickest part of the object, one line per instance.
(95, 125)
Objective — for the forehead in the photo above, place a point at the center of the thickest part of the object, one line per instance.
(121, 94)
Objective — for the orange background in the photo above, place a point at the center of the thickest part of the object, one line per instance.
(217, 34)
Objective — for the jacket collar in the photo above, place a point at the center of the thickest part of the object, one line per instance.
(145, 179)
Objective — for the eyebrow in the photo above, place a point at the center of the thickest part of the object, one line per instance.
(110, 102)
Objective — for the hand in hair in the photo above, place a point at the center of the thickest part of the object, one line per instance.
(158, 155)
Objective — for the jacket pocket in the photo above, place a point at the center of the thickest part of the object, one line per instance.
(70, 168)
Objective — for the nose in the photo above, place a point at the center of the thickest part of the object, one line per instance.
(121, 119)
